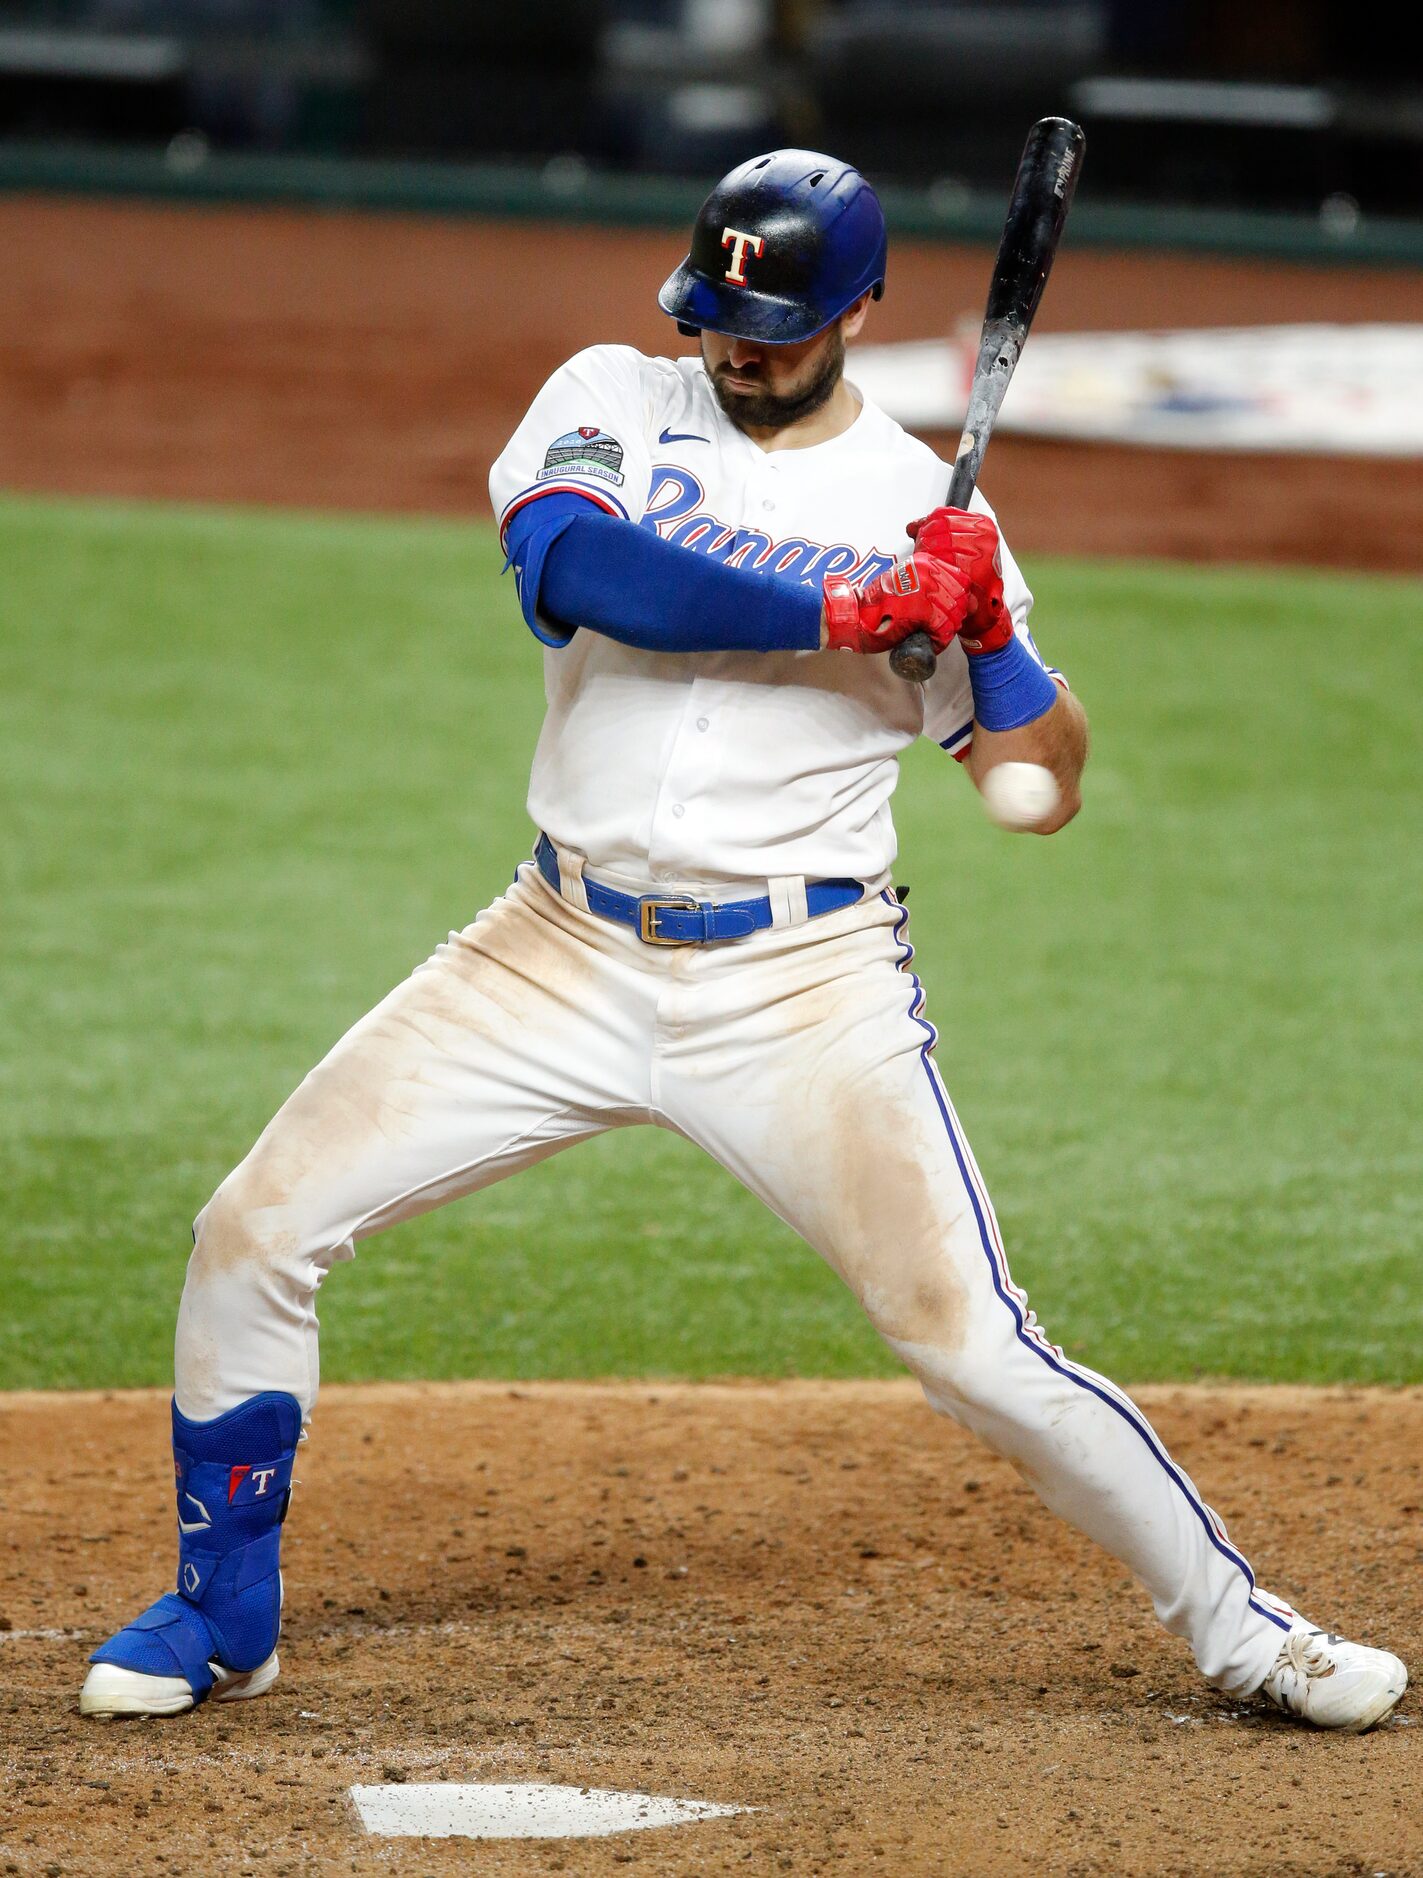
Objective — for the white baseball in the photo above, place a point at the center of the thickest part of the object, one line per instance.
(1020, 795)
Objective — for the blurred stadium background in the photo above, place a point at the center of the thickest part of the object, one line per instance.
(536, 163)
(300, 254)
(1285, 104)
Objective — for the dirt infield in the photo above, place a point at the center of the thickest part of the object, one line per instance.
(813, 1599)
(380, 362)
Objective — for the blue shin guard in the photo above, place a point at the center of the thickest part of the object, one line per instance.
(234, 1481)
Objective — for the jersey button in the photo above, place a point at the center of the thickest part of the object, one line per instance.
(678, 810)
(768, 505)
(703, 723)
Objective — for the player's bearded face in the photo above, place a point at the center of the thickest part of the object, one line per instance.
(769, 387)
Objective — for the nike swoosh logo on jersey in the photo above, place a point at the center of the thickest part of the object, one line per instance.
(681, 436)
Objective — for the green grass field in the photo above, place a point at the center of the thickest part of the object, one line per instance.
(252, 768)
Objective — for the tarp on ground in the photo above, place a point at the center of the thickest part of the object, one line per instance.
(1334, 390)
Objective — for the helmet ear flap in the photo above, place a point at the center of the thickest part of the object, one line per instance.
(688, 332)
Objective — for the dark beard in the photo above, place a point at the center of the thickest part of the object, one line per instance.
(764, 410)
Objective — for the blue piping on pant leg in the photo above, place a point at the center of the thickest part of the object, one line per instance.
(1050, 1355)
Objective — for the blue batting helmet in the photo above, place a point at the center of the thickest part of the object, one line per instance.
(780, 248)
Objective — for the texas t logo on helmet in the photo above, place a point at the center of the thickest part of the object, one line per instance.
(738, 242)
(821, 245)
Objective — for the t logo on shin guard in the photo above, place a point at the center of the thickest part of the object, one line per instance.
(261, 1479)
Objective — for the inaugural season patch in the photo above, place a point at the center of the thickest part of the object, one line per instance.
(586, 451)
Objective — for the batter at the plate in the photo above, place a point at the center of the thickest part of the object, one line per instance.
(716, 553)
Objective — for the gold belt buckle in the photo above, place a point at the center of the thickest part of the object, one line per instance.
(647, 911)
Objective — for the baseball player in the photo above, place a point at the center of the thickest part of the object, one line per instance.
(716, 552)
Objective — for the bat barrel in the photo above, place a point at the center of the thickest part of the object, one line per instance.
(1042, 195)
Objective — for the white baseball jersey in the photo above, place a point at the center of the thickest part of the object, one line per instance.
(722, 767)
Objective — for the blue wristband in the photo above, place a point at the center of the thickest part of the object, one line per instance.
(1010, 688)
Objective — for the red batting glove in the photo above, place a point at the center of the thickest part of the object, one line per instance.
(918, 594)
(970, 542)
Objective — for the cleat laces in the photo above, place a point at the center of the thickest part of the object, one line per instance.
(1303, 1659)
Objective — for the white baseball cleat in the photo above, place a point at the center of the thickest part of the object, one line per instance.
(110, 1690)
(1332, 1683)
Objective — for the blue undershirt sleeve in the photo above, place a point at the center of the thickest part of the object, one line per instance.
(576, 566)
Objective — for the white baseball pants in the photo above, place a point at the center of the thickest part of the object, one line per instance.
(797, 1058)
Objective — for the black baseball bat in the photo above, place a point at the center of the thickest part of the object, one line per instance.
(1042, 195)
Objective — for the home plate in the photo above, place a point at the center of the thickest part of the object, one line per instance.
(527, 1810)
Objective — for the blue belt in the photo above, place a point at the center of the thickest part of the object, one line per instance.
(679, 920)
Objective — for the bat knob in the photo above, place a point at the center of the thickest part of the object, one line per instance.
(914, 658)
